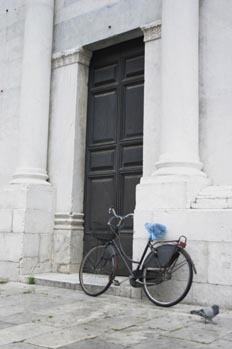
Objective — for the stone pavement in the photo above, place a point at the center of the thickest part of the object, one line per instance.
(38, 317)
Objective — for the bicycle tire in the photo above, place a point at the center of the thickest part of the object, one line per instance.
(98, 269)
(172, 290)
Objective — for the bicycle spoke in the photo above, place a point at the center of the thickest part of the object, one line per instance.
(96, 271)
(178, 266)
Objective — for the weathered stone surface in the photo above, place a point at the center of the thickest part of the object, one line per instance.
(35, 317)
(6, 220)
(11, 246)
(21, 332)
(66, 38)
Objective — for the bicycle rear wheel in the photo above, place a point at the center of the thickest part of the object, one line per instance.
(169, 285)
(97, 270)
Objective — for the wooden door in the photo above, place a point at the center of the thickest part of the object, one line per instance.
(114, 144)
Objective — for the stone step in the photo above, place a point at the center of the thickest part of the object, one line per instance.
(71, 281)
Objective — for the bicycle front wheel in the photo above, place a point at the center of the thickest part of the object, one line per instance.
(169, 285)
(97, 270)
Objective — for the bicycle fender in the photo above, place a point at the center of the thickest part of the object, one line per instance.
(193, 265)
(190, 260)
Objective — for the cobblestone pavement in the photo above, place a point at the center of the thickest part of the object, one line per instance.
(38, 317)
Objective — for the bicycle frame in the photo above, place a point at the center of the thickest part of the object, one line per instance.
(124, 259)
(181, 243)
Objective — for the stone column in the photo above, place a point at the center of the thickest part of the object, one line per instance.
(35, 92)
(180, 97)
(67, 162)
(177, 176)
(27, 204)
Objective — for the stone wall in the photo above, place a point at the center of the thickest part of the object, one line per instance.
(106, 18)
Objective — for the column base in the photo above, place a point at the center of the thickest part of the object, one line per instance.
(68, 242)
(161, 194)
(26, 229)
(30, 175)
(169, 191)
(179, 168)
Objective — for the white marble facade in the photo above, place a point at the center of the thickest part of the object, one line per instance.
(46, 47)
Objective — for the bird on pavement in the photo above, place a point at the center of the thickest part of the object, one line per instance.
(207, 313)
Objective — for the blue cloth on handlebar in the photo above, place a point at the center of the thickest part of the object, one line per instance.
(155, 230)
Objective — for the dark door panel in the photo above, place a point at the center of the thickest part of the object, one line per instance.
(128, 184)
(114, 145)
(131, 156)
(133, 66)
(102, 160)
(100, 187)
(132, 110)
(104, 117)
(104, 75)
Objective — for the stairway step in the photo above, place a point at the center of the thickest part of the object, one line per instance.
(71, 281)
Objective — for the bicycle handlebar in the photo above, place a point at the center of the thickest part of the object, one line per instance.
(120, 218)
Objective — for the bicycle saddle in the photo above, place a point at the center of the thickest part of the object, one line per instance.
(156, 230)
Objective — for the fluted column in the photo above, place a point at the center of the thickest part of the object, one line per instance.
(35, 92)
(180, 97)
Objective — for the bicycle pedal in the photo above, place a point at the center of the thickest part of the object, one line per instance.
(116, 283)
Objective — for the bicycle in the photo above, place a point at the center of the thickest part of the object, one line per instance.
(165, 270)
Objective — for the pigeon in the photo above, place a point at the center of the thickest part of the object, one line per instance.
(207, 313)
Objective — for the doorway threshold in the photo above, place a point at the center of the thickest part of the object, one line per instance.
(71, 281)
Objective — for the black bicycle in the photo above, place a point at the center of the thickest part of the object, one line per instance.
(165, 270)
